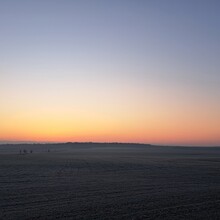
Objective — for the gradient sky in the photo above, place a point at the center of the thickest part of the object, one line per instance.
(127, 71)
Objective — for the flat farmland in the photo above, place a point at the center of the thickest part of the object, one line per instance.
(109, 181)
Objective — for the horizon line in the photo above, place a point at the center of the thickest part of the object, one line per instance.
(97, 142)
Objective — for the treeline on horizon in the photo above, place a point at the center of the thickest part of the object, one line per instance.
(78, 143)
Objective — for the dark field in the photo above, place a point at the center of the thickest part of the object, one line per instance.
(109, 181)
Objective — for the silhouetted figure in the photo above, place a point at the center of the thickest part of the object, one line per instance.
(20, 151)
(48, 151)
(31, 151)
(24, 151)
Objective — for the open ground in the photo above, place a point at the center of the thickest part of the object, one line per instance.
(109, 181)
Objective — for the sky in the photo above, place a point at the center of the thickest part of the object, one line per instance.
(144, 71)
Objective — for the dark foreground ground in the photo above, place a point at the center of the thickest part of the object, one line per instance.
(98, 181)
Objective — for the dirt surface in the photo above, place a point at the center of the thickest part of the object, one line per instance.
(109, 181)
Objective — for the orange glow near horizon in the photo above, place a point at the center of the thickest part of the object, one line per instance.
(135, 137)
(153, 128)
